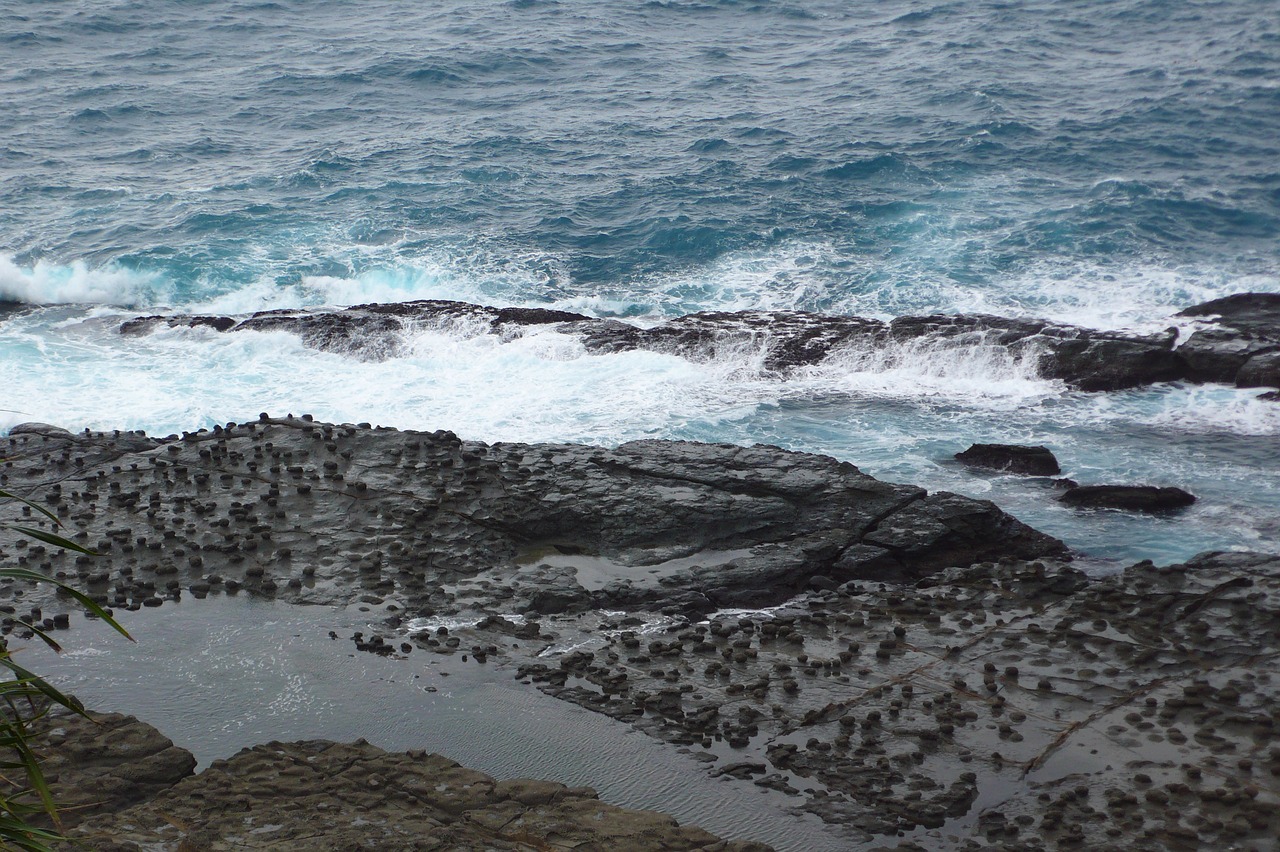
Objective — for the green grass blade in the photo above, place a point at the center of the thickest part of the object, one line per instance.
(87, 602)
(42, 686)
(51, 538)
(41, 509)
(44, 637)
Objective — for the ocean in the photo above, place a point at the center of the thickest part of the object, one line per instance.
(1104, 164)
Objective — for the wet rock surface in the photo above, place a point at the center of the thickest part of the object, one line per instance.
(105, 763)
(1242, 344)
(318, 513)
(916, 669)
(126, 788)
(1135, 498)
(1013, 705)
(1014, 458)
(1238, 331)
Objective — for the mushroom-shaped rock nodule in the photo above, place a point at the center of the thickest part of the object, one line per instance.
(1137, 498)
(1014, 458)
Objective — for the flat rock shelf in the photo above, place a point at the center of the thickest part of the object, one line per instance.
(908, 670)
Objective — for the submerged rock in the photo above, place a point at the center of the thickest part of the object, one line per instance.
(1137, 498)
(1014, 458)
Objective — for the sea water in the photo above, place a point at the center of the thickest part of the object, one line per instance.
(1104, 164)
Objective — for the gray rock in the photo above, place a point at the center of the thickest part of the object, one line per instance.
(318, 795)
(1219, 354)
(1254, 313)
(105, 763)
(1261, 370)
(321, 513)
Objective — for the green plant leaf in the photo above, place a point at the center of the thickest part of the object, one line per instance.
(41, 509)
(52, 538)
(84, 600)
(42, 686)
(36, 779)
(44, 637)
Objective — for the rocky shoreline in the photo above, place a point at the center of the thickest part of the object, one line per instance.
(126, 788)
(321, 513)
(921, 669)
(1237, 340)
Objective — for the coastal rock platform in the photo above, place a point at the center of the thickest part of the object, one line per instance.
(919, 670)
(321, 513)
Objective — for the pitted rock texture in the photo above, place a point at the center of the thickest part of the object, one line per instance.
(324, 513)
(1016, 706)
(1246, 330)
(104, 763)
(322, 796)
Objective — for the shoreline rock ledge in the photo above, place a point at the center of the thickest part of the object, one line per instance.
(134, 790)
(1236, 339)
(323, 513)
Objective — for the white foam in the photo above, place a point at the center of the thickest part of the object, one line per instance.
(400, 284)
(1134, 297)
(969, 373)
(791, 276)
(76, 283)
(1196, 409)
(541, 386)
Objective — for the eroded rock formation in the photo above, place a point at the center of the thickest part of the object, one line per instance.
(322, 513)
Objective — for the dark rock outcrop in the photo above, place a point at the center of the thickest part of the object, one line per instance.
(1253, 313)
(1014, 458)
(1136, 498)
(1243, 345)
(1262, 370)
(315, 512)
(1083, 358)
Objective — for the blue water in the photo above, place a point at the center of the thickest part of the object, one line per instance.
(1098, 163)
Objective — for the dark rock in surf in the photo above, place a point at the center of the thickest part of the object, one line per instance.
(1135, 498)
(1014, 458)
(1261, 370)
(1245, 326)
(1242, 345)
(1090, 360)
(1085, 359)
(1253, 313)
(1221, 354)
